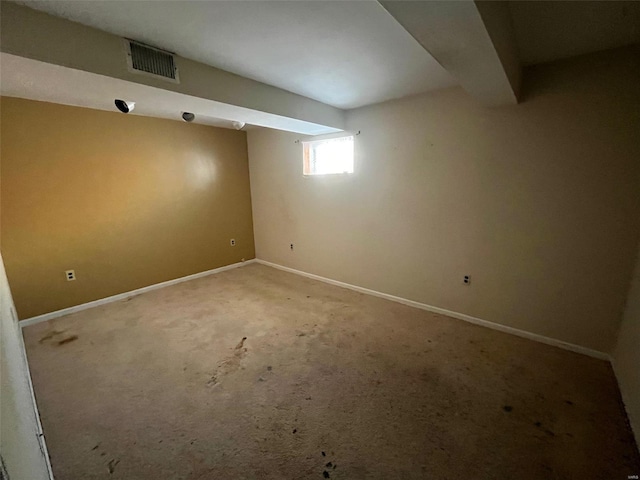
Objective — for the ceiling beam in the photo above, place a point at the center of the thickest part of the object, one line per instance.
(474, 41)
(39, 36)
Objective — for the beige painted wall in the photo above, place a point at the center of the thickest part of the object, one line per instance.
(537, 202)
(21, 449)
(126, 201)
(626, 356)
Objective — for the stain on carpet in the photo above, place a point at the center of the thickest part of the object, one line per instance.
(70, 339)
(111, 466)
(230, 364)
(50, 335)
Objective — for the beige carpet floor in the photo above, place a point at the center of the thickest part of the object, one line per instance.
(255, 373)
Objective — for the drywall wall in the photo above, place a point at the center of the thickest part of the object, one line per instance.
(21, 449)
(124, 201)
(626, 356)
(537, 202)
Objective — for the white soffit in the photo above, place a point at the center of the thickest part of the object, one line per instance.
(343, 53)
(35, 80)
(457, 34)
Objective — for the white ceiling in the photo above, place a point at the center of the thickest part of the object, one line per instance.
(547, 31)
(343, 53)
(23, 78)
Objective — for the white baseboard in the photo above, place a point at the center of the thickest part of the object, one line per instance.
(423, 306)
(123, 296)
(461, 316)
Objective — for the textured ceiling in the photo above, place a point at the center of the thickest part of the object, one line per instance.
(344, 53)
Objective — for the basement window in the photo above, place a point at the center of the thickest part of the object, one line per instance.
(329, 156)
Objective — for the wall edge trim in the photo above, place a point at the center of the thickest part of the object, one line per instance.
(633, 423)
(132, 293)
(449, 313)
(42, 440)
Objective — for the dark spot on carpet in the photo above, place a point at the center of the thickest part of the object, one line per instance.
(70, 339)
(568, 402)
(269, 368)
(538, 424)
(507, 408)
(329, 465)
(323, 454)
(325, 474)
(295, 430)
(95, 448)
(50, 335)
(112, 465)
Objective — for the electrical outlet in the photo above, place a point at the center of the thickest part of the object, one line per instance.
(232, 242)
(291, 246)
(466, 279)
(70, 274)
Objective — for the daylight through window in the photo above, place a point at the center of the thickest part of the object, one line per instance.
(330, 156)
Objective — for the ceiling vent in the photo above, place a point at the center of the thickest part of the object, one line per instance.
(151, 61)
